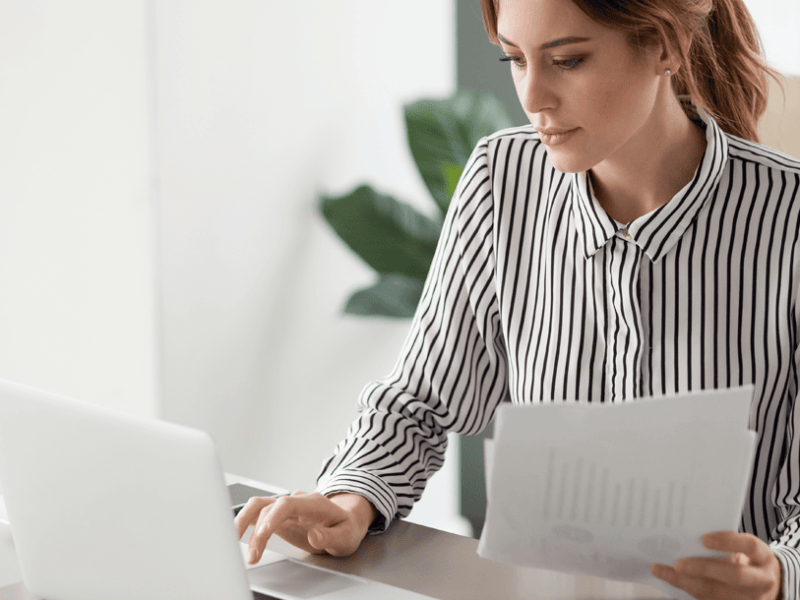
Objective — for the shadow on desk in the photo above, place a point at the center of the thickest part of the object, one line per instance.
(18, 592)
(447, 566)
(443, 566)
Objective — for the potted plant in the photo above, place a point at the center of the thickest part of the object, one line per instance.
(392, 236)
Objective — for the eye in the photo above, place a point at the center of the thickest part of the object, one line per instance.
(517, 62)
(567, 64)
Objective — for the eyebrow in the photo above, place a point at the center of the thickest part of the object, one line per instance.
(553, 44)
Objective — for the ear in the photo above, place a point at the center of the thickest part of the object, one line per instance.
(670, 60)
(655, 57)
(658, 57)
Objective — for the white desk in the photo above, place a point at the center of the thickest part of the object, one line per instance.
(418, 558)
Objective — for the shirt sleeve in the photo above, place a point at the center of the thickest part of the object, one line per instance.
(786, 537)
(451, 373)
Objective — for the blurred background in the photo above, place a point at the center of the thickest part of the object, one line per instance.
(161, 251)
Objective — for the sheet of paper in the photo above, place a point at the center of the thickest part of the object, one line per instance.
(608, 490)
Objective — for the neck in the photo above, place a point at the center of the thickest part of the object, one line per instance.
(652, 167)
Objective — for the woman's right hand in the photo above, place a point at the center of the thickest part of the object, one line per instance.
(318, 524)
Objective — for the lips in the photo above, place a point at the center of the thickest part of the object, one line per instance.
(559, 138)
(554, 131)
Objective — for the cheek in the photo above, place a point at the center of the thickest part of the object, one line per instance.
(611, 100)
(624, 97)
(614, 112)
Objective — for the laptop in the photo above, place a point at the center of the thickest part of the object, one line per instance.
(103, 504)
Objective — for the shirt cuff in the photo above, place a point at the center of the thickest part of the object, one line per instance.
(790, 564)
(365, 484)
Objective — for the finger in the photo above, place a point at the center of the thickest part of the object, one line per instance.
(282, 509)
(273, 516)
(339, 540)
(308, 511)
(317, 539)
(723, 570)
(699, 587)
(250, 513)
(311, 510)
(258, 541)
(740, 558)
(728, 541)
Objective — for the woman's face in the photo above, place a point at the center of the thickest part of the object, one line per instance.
(596, 86)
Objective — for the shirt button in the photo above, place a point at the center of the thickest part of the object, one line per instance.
(626, 233)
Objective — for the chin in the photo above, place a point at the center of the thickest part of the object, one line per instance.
(566, 162)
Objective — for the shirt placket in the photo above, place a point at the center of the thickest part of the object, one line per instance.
(624, 327)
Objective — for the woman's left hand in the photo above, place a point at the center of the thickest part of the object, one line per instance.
(752, 572)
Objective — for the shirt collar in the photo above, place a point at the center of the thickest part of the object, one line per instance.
(657, 231)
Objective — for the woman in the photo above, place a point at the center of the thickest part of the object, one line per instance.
(627, 243)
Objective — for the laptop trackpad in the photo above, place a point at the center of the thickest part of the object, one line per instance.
(302, 581)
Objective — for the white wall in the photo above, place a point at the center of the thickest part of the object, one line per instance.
(76, 257)
(77, 305)
(779, 128)
(261, 107)
(778, 22)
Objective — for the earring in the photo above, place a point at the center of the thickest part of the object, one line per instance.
(668, 73)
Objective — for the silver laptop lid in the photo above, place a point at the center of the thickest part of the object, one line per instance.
(103, 504)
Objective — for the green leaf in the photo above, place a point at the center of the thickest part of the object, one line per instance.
(452, 173)
(442, 133)
(394, 296)
(390, 236)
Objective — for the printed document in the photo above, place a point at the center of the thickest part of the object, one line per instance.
(608, 490)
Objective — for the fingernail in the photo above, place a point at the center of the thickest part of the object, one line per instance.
(252, 558)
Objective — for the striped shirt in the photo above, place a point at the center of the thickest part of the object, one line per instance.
(537, 294)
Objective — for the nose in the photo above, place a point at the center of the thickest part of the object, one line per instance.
(535, 93)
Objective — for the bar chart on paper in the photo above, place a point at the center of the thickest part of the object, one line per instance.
(609, 492)
(579, 492)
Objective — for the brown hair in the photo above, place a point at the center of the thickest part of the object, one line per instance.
(723, 71)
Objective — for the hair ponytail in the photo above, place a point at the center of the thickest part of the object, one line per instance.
(725, 72)
(715, 41)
